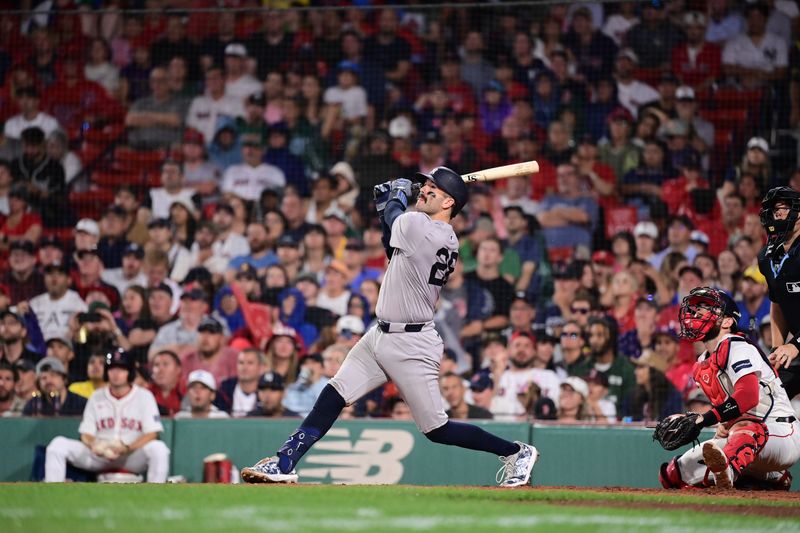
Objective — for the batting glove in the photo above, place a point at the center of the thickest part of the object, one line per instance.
(401, 189)
(380, 193)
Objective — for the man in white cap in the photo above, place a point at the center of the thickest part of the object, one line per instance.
(215, 102)
(201, 389)
(631, 92)
(701, 131)
(646, 235)
(696, 62)
(238, 83)
(349, 330)
(87, 234)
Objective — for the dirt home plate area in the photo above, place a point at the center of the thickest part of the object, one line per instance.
(206, 507)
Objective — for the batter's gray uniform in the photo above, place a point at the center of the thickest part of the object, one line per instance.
(425, 253)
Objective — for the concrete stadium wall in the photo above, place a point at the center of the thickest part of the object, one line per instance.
(379, 451)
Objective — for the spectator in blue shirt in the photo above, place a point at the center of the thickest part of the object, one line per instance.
(754, 303)
(568, 218)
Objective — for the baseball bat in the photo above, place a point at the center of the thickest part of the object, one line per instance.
(506, 171)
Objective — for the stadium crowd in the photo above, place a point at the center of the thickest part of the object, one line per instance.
(196, 189)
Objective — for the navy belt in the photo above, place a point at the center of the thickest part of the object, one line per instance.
(787, 419)
(396, 327)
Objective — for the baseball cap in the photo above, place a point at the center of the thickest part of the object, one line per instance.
(50, 240)
(569, 271)
(682, 219)
(287, 240)
(648, 300)
(527, 334)
(271, 381)
(252, 139)
(684, 92)
(195, 293)
(620, 113)
(603, 257)
(675, 128)
(339, 266)
(666, 332)
(87, 225)
(400, 127)
(133, 249)
(50, 364)
(351, 66)
(57, 266)
(480, 382)
(694, 18)
(281, 330)
(192, 136)
(258, 99)
(350, 323)
(431, 137)
(18, 317)
(24, 365)
(699, 236)
(236, 50)
(759, 143)
(210, 325)
(495, 85)
(163, 287)
(669, 77)
(577, 384)
(690, 268)
(646, 228)
(59, 338)
(23, 244)
(596, 377)
(158, 223)
(203, 377)
(334, 212)
(629, 54)
(752, 272)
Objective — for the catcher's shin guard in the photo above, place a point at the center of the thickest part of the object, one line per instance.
(670, 475)
(745, 442)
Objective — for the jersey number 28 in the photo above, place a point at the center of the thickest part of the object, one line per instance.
(443, 267)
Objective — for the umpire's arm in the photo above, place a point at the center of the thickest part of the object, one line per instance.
(783, 353)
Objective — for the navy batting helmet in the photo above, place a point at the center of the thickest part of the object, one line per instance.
(119, 358)
(451, 183)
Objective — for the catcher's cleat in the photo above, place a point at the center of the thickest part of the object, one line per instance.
(717, 462)
(267, 471)
(516, 469)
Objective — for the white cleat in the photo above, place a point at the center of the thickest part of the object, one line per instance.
(516, 469)
(716, 461)
(267, 471)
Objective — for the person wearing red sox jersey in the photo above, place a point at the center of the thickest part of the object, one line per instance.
(757, 436)
(119, 430)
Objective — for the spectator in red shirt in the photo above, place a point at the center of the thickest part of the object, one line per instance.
(462, 97)
(23, 280)
(696, 62)
(21, 223)
(167, 386)
(598, 177)
(211, 354)
(676, 192)
(87, 278)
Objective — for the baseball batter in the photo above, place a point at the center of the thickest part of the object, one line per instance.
(118, 431)
(757, 437)
(404, 346)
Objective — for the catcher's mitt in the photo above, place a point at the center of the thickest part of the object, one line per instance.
(677, 430)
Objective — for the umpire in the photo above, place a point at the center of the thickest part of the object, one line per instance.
(779, 262)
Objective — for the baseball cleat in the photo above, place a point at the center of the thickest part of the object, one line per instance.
(267, 471)
(516, 469)
(716, 461)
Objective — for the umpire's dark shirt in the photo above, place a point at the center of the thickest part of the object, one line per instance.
(783, 280)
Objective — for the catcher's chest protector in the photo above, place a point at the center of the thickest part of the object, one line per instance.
(714, 374)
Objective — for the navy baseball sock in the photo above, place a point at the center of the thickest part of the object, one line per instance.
(324, 413)
(473, 438)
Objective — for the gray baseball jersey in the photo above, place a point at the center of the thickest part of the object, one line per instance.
(425, 254)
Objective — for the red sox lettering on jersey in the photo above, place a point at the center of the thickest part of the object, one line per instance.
(126, 418)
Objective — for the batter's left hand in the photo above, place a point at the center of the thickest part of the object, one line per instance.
(783, 355)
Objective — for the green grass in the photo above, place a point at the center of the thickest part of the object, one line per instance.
(311, 508)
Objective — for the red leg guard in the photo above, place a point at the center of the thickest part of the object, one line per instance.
(745, 440)
(670, 475)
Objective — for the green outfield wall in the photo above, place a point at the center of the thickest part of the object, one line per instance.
(378, 451)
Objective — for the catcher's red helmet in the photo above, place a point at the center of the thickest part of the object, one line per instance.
(702, 309)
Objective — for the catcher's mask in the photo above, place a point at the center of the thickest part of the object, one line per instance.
(703, 309)
(778, 230)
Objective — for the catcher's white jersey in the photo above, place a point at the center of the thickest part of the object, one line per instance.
(126, 418)
(744, 359)
(425, 253)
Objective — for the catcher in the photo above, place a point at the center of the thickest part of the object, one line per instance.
(757, 437)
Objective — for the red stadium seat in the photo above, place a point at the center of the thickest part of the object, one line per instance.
(560, 254)
(90, 204)
(112, 179)
(727, 118)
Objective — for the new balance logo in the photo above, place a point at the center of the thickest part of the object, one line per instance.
(741, 365)
(374, 458)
